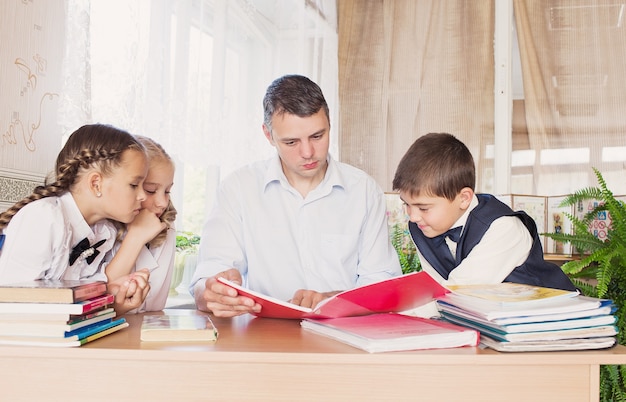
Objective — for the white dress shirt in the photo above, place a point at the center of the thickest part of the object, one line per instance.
(334, 239)
(40, 237)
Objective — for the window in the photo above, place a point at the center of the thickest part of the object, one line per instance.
(192, 74)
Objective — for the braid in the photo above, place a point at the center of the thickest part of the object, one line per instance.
(38, 193)
(56, 188)
(96, 146)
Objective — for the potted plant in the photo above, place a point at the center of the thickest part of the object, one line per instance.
(601, 269)
(405, 248)
(398, 226)
(186, 248)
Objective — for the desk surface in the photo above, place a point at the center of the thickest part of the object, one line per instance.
(268, 353)
(284, 338)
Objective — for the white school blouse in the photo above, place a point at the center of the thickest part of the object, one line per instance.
(334, 239)
(40, 237)
(160, 263)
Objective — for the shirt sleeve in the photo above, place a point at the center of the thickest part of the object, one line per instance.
(160, 262)
(504, 246)
(378, 259)
(35, 237)
(222, 237)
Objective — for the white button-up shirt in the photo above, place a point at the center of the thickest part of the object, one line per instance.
(334, 239)
(40, 237)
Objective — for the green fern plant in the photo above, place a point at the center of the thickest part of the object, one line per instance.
(601, 269)
(405, 248)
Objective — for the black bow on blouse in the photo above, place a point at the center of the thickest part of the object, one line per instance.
(88, 252)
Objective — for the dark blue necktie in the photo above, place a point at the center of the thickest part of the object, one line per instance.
(83, 248)
(442, 248)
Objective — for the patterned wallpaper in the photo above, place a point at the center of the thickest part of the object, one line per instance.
(13, 190)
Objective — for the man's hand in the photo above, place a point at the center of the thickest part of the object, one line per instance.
(221, 300)
(310, 298)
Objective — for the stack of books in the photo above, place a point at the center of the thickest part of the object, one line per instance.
(514, 317)
(56, 313)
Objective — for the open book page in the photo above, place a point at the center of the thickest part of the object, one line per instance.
(270, 306)
(389, 295)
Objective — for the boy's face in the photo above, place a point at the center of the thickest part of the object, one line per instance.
(435, 215)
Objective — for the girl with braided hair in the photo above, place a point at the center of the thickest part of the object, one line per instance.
(68, 228)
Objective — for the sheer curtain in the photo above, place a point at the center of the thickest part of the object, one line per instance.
(407, 68)
(192, 75)
(573, 56)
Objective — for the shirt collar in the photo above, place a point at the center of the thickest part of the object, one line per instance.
(75, 220)
(463, 219)
(331, 179)
(102, 229)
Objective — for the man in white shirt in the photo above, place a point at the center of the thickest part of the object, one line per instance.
(300, 226)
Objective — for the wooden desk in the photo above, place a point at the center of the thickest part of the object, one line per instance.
(266, 359)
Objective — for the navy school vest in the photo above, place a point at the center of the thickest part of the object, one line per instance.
(534, 271)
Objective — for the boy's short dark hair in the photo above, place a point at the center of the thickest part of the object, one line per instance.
(293, 94)
(437, 164)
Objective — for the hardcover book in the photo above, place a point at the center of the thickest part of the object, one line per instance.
(51, 329)
(173, 327)
(390, 295)
(81, 307)
(393, 332)
(59, 318)
(74, 340)
(50, 291)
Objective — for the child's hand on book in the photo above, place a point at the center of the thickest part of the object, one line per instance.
(130, 291)
(224, 301)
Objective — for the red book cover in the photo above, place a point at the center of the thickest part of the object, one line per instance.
(389, 295)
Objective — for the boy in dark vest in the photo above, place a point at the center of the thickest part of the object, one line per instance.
(463, 237)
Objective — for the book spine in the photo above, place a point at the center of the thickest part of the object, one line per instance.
(101, 334)
(92, 304)
(89, 291)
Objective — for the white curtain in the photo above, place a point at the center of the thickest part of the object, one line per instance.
(408, 68)
(192, 75)
(573, 56)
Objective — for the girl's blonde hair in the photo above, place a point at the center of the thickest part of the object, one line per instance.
(96, 146)
(156, 153)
